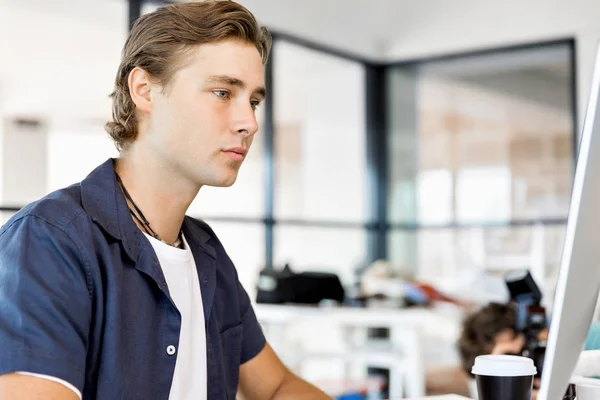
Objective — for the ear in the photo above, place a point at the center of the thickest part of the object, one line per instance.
(139, 89)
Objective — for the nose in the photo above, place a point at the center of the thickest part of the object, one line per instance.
(245, 122)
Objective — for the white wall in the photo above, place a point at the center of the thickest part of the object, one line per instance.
(59, 57)
(23, 162)
(73, 152)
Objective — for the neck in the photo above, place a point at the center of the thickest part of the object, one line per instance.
(161, 195)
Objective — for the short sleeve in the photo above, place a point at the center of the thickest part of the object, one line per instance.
(254, 339)
(45, 303)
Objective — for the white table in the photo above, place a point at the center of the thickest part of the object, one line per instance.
(403, 350)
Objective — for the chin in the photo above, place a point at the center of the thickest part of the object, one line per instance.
(217, 176)
(225, 180)
(226, 183)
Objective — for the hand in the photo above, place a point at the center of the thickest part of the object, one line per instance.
(536, 387)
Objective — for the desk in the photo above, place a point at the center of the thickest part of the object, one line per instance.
(403, 350)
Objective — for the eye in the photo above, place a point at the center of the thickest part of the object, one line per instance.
(223, 94)
(254, 104)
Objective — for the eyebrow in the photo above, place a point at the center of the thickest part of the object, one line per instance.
(229, 80)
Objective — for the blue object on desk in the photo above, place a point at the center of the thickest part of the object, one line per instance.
(415, 294)
(351, 396)
(592, 341)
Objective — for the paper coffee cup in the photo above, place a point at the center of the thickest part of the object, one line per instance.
(504, 377)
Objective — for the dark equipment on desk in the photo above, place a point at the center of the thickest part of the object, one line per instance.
(530, 316)
(571, 393)
(286, 286)
(530, 319)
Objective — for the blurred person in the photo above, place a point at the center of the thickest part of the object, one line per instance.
(491, 330)
(107, 289)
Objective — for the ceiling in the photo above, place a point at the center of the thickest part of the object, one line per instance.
(60, 56)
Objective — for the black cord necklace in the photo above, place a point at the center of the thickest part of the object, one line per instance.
(141, 219)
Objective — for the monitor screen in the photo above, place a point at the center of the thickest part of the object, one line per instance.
(579, 276)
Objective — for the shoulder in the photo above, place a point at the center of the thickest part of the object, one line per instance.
(58, 209)
(42, 243)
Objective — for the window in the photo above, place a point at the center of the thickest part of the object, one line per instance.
(503, 120)
(434, 193)
(483, 194)
(474, 142)
(245, 245)
(320, 157)
(320, 161)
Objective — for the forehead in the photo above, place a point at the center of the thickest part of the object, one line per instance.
(231, 57)
(505, 335)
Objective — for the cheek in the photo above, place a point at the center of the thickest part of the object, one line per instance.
(199, 112)
(189, 124)
(197, 131)
(166, 118)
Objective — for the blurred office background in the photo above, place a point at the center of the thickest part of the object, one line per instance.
(438, 137)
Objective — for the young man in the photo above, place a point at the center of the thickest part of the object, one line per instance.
(107, 290)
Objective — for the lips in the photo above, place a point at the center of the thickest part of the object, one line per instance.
(238, 150)
(236, 153)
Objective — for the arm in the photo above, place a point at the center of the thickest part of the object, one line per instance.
(447, 380)
(45, 309)
(12, 386)
(262, 375)
(265, 377)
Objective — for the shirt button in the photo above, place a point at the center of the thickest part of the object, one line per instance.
(170, 350)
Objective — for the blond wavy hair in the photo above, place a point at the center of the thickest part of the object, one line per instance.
(159, 42)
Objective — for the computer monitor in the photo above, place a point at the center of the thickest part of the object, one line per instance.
(576, 292)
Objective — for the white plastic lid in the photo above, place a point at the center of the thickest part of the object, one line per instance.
(503, 365)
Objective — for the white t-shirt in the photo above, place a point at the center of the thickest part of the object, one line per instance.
(179, 268)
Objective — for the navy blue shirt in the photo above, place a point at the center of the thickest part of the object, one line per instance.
(83, 298)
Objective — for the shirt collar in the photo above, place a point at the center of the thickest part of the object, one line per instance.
(105, 203)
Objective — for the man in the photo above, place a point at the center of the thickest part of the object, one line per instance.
(107, 290)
